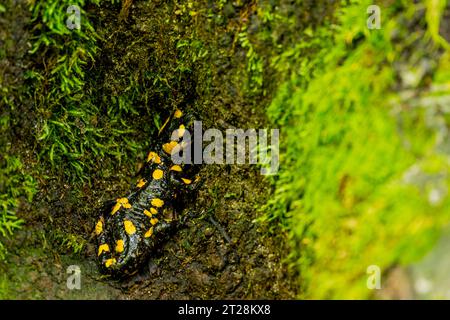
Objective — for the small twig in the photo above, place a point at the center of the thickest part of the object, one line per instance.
(221, 230)
(126, 4)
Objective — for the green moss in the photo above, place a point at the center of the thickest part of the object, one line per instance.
(67, 242)
(15, 185)
(350, 148)
(68, 136)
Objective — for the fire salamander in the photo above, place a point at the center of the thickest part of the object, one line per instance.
(130, 227)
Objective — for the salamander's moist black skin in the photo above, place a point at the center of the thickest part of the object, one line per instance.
(131, 227)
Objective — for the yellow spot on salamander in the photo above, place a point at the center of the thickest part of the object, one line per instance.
(153, 210)
(168, 147)
(141, 183)
(181, 130)
(147, 213)
(116, 208)
(121, 202)
(119, 246)
(157, 203)
(186, 181)
(154, 221)
(103, 248)
(153, 156)
(110, 262)
(99, 227)
(175, 168)
(157, 174)
(149, 233)
(129, 227)
(178, 114)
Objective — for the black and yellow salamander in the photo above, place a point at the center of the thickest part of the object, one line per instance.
(130, 228)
